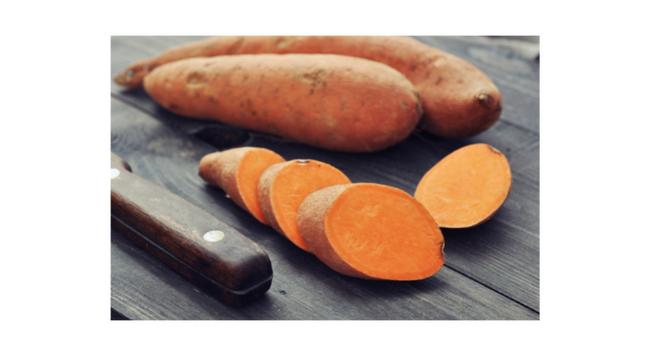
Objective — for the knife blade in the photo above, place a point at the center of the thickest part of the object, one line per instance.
(191, 241)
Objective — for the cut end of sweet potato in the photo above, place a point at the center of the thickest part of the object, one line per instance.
(467, 187)
(283, 187)
(252, 165)
(372, 231)
(237, 171)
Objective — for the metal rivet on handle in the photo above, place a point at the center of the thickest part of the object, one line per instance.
(213, 236)
(114, 172)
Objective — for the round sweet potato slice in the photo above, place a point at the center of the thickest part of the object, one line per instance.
(372, 231)
(467, 187)
(283, 187)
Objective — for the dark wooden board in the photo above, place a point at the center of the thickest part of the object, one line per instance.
(491, 271)
(115, 315)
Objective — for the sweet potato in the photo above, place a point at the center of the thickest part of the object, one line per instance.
(283, 186)
(458, 99)
(334, 102)
(237, 172)
(467, 187)
(371, 231)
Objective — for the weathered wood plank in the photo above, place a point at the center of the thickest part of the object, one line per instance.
(115, 315)
(143, 288)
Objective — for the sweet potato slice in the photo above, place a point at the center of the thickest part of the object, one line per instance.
(467, 187)
(237, 172)
(371, 231)
(283, 187)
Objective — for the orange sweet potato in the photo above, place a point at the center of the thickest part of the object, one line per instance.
(237, 171)
(334, 102)
(467, 187)
(371, 231)
(283, 186)
(458, 99)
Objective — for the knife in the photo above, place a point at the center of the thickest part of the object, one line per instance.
(188, 239)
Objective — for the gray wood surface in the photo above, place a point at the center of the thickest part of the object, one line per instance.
(491, 271)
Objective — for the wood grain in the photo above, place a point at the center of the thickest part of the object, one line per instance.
(115, 315)
(314, 293)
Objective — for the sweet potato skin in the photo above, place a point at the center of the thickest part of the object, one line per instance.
(221, 169)
(458, 99)
(334, 102)
(133, 76)
(216, 177)
(226, 176)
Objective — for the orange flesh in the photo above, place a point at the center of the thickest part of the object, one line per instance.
(250, 169)
(382, 232)
(467, 187)
(292, 185)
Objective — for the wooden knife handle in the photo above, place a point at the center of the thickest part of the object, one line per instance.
(187, 238)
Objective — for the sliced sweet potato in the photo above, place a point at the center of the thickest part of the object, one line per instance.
(283, 186)
(467, 187)
(237, 172)
(371, 231)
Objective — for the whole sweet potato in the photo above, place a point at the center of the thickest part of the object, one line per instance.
(334, 102)
(458, 99)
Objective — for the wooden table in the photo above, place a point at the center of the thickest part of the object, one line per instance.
(491, 271)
